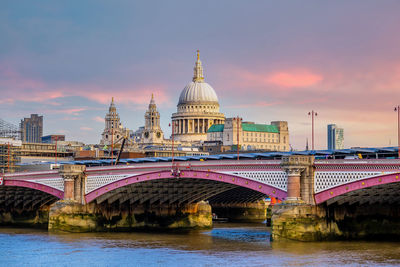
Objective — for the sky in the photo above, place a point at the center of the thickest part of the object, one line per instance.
(266, 60)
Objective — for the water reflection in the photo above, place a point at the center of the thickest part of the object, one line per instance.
(236, 245)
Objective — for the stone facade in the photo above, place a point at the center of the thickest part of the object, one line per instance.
(152, 133)
(113, 131)
(274, 137)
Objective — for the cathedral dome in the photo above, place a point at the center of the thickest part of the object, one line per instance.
(198, 92)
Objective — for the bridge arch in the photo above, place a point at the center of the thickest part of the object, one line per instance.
(36, 186)
(349, 190)
(28, 195)
(197, 175)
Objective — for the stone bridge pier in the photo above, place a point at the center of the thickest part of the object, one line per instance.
(370, 214)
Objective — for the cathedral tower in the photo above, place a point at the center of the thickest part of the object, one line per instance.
(113, 130)
(152, 133)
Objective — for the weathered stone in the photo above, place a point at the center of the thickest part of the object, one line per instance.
(304, 222)
(26, 218)
(69, 216)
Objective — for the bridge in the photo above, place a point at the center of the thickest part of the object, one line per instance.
(299, 181)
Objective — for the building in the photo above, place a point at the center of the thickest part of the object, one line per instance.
(152, 133)
(39, 152)
(136, 136)
(273, 137)
(51, 139)
(113, 131)
(335, 137)
(197, 110)
(32, 129)
(10, 150)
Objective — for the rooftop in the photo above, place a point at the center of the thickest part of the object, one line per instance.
(248, 127)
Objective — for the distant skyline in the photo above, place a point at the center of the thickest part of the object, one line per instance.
(266, 60)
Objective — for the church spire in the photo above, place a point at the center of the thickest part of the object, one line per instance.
(112, 106)
(152, 102)
(198, 70)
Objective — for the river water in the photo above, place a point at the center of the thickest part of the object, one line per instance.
(225, 245)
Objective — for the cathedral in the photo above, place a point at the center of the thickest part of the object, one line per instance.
(198, 121)
(197, 110)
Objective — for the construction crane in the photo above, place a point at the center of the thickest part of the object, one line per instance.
(124, 140)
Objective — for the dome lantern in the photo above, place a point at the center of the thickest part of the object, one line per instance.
(198, 70)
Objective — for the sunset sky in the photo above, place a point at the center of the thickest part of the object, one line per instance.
(266, 60)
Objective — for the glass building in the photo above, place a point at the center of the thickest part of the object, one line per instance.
(335, 137)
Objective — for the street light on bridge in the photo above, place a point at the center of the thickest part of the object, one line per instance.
(397, 109)
(173, 124)
(312, 114)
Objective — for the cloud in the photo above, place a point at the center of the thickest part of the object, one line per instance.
(72, 111)
(293, 79)
(288, 79)
(16, 87)
(83, 128)
(98, 119)
(125, 95)
(256, 104)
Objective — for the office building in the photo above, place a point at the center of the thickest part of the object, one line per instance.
(335, 137)
(32, 129)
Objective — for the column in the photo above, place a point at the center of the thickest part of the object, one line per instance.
(74, 182)
(69, 188)
(300, 175)
(293, 183)
(192, 125)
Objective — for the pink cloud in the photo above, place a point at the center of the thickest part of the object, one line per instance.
(127, 95)
(296, 77)
(70, 111)
(257, 104)
(19, 88)
(83, 128)
(98, 119)
(293, 79)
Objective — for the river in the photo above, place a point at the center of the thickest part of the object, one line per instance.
(225, 245)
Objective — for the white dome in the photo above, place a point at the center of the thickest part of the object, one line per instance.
(198, 92)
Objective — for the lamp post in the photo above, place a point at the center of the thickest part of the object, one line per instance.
(172, 137)
(55, 150)
(312, 114)
(397, 109)
(238, 120)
